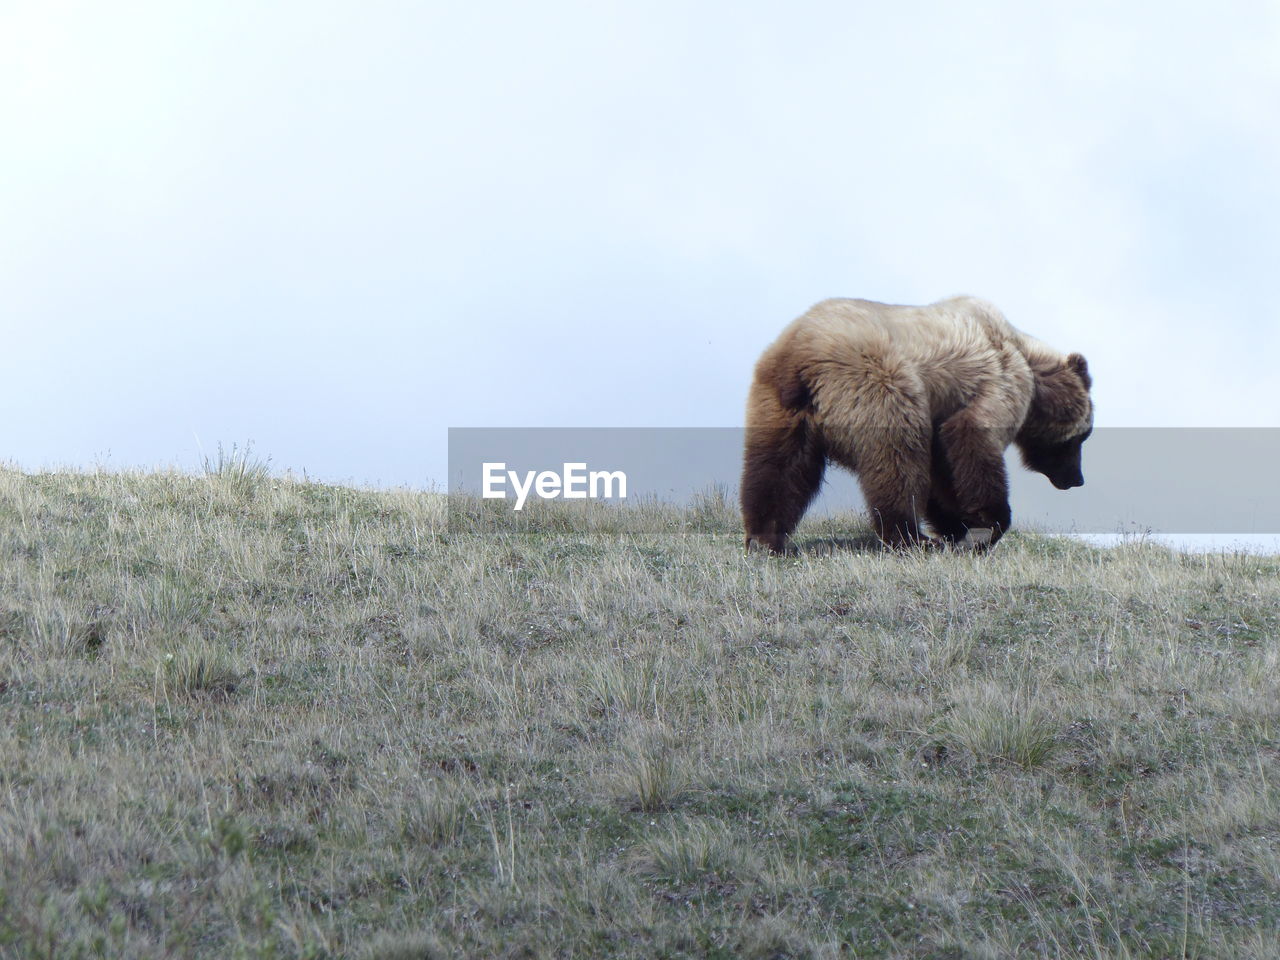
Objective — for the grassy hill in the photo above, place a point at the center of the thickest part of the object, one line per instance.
(243, 715)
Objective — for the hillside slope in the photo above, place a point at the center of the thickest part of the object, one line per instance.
(249, 716)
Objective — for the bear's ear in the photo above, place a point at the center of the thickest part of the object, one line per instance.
(1077, 363)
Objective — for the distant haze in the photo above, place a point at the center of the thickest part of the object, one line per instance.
(338, 230)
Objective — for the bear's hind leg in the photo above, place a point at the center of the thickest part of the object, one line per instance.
(781, 473)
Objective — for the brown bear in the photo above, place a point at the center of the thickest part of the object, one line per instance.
(920, 403)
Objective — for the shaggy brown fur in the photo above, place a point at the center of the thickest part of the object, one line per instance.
(920, 403)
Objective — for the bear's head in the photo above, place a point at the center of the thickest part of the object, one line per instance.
(1059, 421)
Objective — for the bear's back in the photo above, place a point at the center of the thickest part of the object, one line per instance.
(943, 353)
(944, 332)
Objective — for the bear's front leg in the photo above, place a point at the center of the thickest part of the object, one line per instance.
(893, 471)
(986, 526)
(898, 528)
(943, 511)
(944, 519)
(979, 483)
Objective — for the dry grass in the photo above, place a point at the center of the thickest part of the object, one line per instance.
(242, 715)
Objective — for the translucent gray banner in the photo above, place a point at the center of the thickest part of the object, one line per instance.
(1157, 480)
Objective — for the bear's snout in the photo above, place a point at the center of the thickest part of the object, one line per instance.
(1068, 481)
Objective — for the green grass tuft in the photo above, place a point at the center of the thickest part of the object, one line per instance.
(199, 669)
(237, 471)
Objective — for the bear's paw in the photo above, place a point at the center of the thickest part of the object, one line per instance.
(976, 538)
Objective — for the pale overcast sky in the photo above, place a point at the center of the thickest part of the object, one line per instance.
(336, 230)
